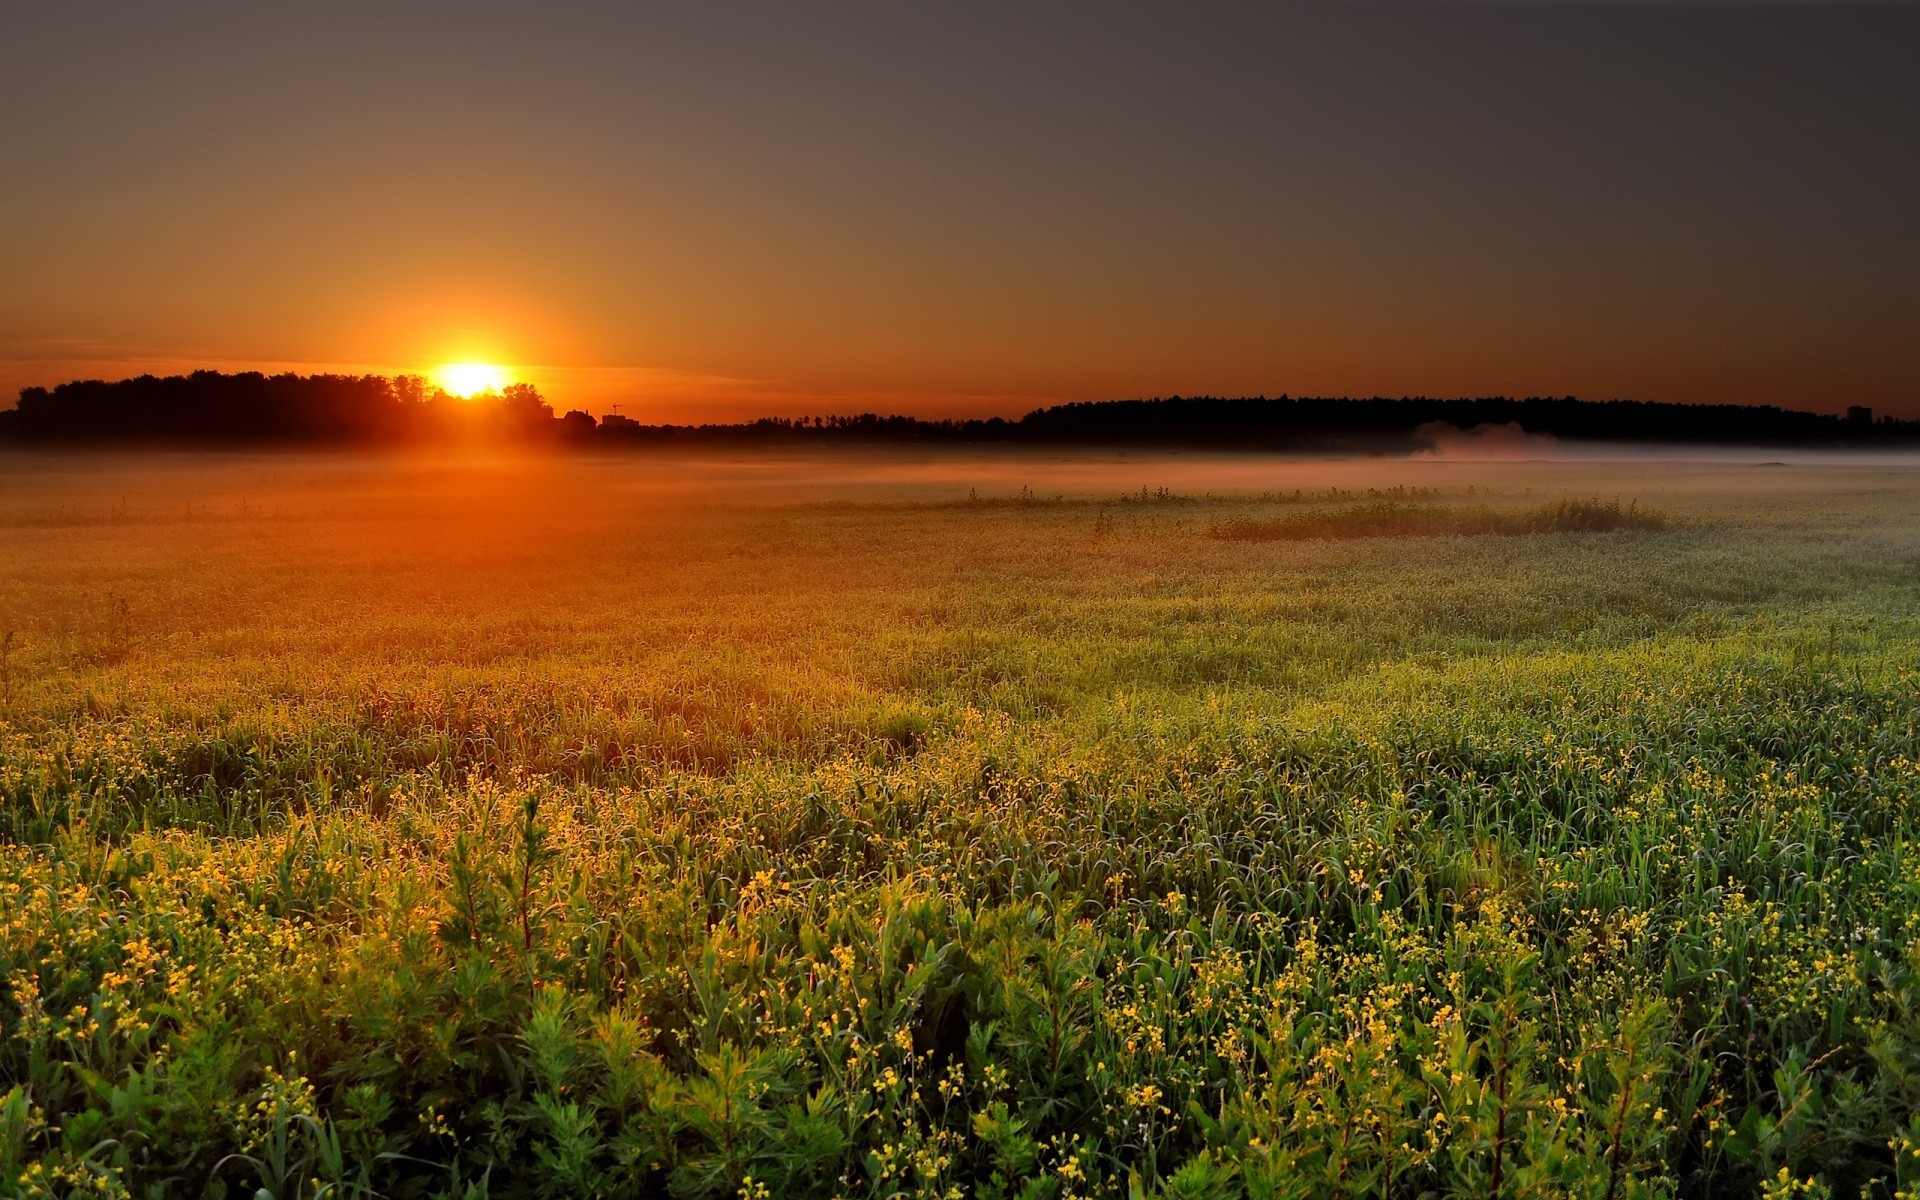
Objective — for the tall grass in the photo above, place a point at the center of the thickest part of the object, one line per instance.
(1388, 518)
(887, 851)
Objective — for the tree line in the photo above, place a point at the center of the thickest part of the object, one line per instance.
(209, 407)
(249, 408)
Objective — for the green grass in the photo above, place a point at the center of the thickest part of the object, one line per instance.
(635, 829)
(1387, 518)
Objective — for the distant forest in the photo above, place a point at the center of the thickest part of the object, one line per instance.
(208, 408)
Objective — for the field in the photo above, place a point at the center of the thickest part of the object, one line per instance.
(895, 825)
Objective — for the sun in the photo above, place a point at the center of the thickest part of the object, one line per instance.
(470, 379)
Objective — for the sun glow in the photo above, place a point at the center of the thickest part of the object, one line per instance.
(470, 379)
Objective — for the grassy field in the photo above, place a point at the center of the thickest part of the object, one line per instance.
(934, 826)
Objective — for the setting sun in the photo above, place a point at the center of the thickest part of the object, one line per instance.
(470, 379)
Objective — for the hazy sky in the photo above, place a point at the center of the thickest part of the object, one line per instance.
(727, 208)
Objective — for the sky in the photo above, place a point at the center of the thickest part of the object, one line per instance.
(718, 210)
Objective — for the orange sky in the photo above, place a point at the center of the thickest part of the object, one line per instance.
(720, 213)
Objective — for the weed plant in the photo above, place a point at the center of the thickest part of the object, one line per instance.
(455, 835)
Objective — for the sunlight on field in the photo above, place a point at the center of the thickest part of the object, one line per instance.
(892, 822)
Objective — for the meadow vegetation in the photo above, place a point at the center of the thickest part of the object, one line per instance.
(1394, 518)
(635, 828)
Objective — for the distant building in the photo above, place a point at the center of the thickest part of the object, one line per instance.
(616, 421)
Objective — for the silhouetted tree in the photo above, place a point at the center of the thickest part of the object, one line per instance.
(208, 407)
(523, 406)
